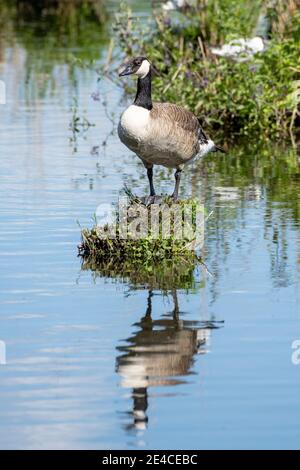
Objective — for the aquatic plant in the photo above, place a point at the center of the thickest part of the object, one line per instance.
(79, 125)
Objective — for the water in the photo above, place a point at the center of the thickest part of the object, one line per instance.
(92, 362)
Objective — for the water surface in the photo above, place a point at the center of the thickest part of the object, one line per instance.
(93, 362)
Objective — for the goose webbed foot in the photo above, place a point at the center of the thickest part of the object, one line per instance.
(152, 199)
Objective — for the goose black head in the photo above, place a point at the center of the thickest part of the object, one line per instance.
(139, 66)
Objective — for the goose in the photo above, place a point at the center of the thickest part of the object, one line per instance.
(160, 133)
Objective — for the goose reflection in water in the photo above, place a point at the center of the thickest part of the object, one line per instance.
(158, 354)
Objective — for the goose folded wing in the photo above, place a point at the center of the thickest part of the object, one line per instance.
(172, 116)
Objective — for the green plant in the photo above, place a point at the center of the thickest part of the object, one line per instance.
(78, 125)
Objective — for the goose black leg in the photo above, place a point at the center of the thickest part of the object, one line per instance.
(147, 200)
(152, 199)
(150, 178)
(177, 183)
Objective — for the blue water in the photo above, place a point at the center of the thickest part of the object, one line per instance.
(87, 365)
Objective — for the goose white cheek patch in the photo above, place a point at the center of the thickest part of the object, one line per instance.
(143, 70)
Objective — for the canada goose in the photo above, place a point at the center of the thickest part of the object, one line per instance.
(160, 133)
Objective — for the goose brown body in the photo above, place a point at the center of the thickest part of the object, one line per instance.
(167, 135)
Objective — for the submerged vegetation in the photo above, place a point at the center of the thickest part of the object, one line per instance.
(258, 97)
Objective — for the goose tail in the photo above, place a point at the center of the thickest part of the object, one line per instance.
(219, 149)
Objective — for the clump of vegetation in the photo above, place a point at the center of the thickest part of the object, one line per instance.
(147, 234)
(256, 97)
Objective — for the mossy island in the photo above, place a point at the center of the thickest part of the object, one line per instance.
(156, 242)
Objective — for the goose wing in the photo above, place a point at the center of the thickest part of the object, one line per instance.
(183, 122)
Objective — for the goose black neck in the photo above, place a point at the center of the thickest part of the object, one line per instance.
(143, 94)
